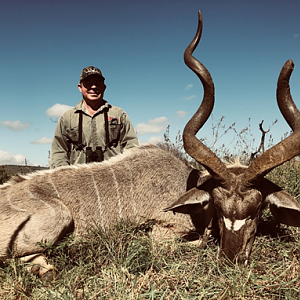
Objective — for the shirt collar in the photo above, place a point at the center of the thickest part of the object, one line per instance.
(80, 107)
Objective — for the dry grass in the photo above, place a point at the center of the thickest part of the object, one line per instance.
(125, 263)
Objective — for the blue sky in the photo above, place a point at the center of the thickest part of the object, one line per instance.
(139, 47)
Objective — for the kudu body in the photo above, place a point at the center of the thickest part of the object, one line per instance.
(135, 185)
(139, 183)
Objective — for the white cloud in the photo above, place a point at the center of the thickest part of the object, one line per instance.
(189, 98)
(11, 159)
(296, 35)
(44, 140)
(188, 87)
(57, 110)
(154, 140)
(157, 125)
(181, 113)
(15, 125)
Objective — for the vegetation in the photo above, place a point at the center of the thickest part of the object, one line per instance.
(7, 171)
(125, 262)
(4, 176)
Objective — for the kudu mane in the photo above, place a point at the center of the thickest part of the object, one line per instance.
(127, 155)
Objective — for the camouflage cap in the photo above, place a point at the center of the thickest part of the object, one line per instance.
(90, 71)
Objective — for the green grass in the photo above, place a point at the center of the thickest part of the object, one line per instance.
(287, 176)
(126, 263)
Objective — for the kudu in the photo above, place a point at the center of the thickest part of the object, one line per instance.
(238, 194)
(142, 181)
(135, 185)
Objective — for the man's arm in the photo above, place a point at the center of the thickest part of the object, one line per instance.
(128, 138)
(60, 147)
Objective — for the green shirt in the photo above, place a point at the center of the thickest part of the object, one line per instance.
(65, 149)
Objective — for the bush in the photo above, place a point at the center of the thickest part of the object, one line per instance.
(4, 176)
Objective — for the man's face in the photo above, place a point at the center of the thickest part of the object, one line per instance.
(92, 88)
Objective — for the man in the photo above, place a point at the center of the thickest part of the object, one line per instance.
(94, 130)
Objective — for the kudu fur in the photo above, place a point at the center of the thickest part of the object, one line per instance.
(135, 185)
(151, 183)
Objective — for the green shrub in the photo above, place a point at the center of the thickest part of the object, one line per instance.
(4, 176)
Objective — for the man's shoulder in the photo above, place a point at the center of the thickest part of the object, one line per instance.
(116, 109)
(68, 115)
(72, 110)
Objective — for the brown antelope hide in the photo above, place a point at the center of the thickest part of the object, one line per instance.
(139, 183)
(236, 195)
(49, 204)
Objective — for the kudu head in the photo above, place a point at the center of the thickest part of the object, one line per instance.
(238, 194)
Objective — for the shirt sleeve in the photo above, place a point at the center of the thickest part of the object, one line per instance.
(60, 147)
(128, 137)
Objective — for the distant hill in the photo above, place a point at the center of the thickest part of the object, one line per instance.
(11, 170)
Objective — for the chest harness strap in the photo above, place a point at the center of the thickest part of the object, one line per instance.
(106, 128)
(80, 145)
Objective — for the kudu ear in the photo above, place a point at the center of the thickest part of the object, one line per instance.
(191, 202)
(284, 208)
